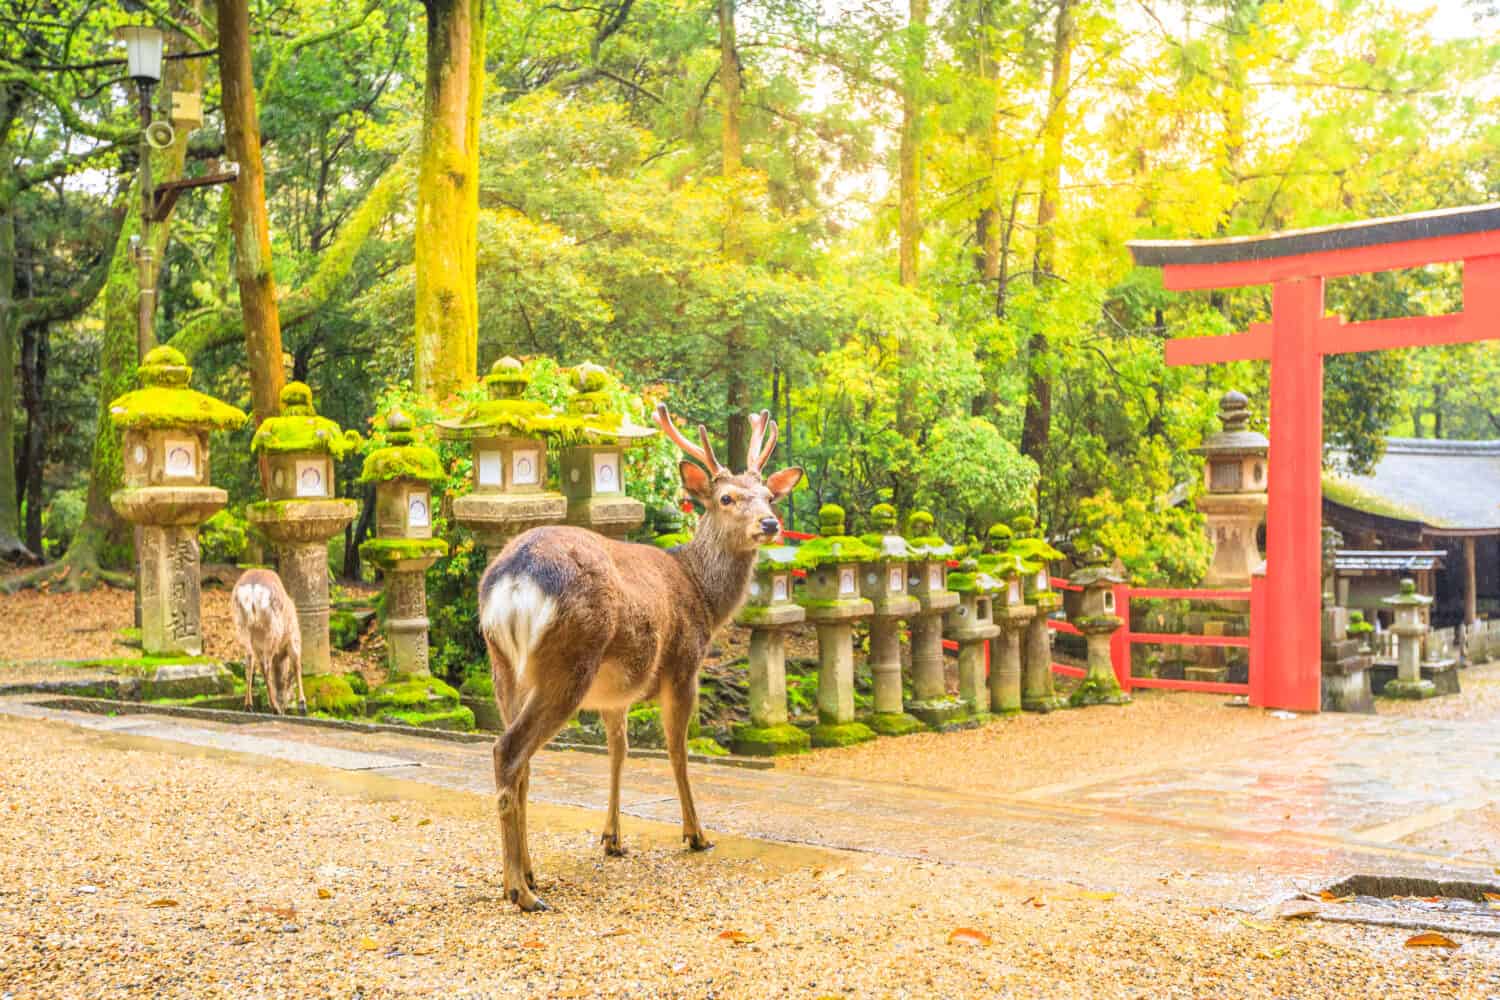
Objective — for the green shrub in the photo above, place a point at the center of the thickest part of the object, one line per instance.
(61, 519)
(222, 538)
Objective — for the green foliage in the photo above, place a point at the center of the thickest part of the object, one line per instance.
(60, 520)
(222, 537)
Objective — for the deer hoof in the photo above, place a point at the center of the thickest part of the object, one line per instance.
(697, 842)
(531, 881)
(612, 846)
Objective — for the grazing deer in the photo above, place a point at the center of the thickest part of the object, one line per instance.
(266, 620)
(576, 620)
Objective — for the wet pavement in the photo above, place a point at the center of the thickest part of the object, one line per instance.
(1286, 813)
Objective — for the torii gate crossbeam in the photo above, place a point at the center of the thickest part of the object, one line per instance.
(1296, 265)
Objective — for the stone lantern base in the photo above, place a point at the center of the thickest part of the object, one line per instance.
(170, 588)
(613, 516)
(1005, 659)
(890, 717)
(1099, 685)
(768, 733)
(931, 702)
(299, 530)
(1037, 691)
(1414, 690)
(836, 725)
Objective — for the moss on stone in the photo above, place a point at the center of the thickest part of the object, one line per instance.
(406, 693)
(343, 630)
(165, 402)
(458, 719)
(299, 428)
(706, 746)
(671, 539)
(384, 553)
(411, 461)
(478, 685)
(331, 694)
(894, 724)
(835, 734)
(832, 549)
(1095, 691)
(769, 741)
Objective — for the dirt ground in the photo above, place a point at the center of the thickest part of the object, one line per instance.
(138, 870)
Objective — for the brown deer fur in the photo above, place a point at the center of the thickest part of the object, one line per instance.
(575, 620)
(266, 620)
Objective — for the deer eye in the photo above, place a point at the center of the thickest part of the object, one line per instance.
(726, 499)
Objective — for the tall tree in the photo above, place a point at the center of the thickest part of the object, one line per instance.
(910, 154)
(737, 388)
(248, 220)
(447, 225)
(1036, 425)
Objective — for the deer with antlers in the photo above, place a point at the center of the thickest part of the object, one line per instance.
(575, 620)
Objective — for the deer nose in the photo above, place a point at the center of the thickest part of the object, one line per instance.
(770, 525)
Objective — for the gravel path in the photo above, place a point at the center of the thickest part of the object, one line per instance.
(136, 869)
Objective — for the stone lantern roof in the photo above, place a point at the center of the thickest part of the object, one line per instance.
(882, 535)
(1408, 597)
(1234, 440)
(164, 402)
(925, 543)
(300, 429)
(594, 413)
(1095, 567)
(832, 545)
(401, 459)
(505, 412)
(970, 578)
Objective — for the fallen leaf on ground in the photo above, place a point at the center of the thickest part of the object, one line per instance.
(1431, 939)
(284, 912)
(1102, 896)
(324, 894)
(1036, 901)
(1329, 897)
(616, 932)
(969, 935)
(830, 874)
(424, 822)
(533, 943)
(1255, 925)
(1274, 952)
(162, 902)
(367, 944)
(737, 937)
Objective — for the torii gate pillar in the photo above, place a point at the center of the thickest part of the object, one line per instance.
(1296, 264)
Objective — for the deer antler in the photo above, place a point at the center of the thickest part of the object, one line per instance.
(704, 453)
(762, 429)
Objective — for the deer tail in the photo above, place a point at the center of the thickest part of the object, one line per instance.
(514, 615)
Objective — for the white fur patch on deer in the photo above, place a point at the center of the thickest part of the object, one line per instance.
(514, 618)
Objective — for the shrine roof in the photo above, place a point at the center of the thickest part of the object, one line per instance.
(1295, 242)
(1387, 560)
(1446, 486)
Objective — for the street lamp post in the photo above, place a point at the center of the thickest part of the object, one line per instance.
(143, 50)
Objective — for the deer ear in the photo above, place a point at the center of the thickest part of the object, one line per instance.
(695, 480)
(784, 481)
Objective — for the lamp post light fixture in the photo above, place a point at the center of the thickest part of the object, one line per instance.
(143, 50)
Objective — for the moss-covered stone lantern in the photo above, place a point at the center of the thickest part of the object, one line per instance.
(1234, 498)
(831, 598)
(1012, 614)
(972, 624)
(884, 585)
(1097, 621)
(927, 581)
(1410, 626)
(404, 475)
(166, 493)
(768, 612)
(508, 437)
(670, 528)
(592, 470)
(1038, 694)
(301, 515)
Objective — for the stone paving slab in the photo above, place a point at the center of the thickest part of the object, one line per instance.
(1281, 820)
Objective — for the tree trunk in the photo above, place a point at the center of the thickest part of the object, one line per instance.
(10, 541)
(737, 389)
(1036, 424)
(35, 349)
(447, 237)
(909, 157)
(248, 220)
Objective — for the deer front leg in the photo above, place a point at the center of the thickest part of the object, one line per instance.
(296, 670)
(250, 682)
(619, 744)
(676, 712)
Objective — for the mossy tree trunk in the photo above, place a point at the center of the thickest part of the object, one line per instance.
(736, 389)
(248, 219)
(10, 541)
(447, 236)
(1036, 423)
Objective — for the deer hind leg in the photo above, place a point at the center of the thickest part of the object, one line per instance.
(294, 669)
(275, 682)
(619, 744)
(541, 714)
(676, 712)
(250, 680)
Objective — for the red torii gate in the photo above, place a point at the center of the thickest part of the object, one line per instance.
(1295, 264)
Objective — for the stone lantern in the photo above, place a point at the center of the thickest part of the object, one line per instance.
(972, 624)
(831, 599)
(1097, 621)
(1013, 615)
(404, 475)
(1234, 501)
(768, 612)
(1410, 626)
(884, 586)
(302, 514)
(1037, 691)
(927, 581)
(592, 470)
(166, 493)
(670, 528)
(508, 437)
